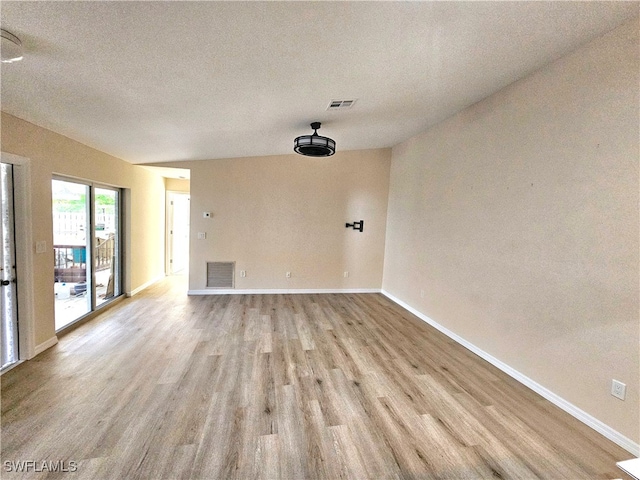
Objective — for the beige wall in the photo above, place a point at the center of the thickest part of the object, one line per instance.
(177, 185)
(518, 218)
(273, 215)
(51, 153)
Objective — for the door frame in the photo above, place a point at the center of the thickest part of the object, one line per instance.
(24, 255)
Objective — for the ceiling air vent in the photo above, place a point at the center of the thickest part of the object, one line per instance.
(341, 104)
(220, 274)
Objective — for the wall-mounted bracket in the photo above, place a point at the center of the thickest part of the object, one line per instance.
(356, 225)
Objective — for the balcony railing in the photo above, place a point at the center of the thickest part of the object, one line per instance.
(70, 261)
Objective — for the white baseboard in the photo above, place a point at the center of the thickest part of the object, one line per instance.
(600, 427)
(45, 345)
(259, 291)
(135, 291)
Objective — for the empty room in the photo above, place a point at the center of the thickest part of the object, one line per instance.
(320, 240)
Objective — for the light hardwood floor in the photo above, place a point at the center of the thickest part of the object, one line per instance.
(167, 386)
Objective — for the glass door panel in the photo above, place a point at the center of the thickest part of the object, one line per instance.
(8, 293)
(72, 251)
(107, 245)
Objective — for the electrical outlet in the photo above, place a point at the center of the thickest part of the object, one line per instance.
(288, 274)
(618, 389)
(346, 274)
(243, 273)
(202, 235)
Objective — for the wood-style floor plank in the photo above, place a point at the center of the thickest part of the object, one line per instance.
(166, 386)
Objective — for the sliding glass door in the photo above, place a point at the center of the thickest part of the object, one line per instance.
(86, 238)
(107, 243)
(72, 248)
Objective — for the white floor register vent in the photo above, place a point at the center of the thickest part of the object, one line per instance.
(220, 274)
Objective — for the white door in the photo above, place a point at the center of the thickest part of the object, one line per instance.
(179, 208)
(8, 290)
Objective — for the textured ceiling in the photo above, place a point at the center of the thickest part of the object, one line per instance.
(165, 81)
